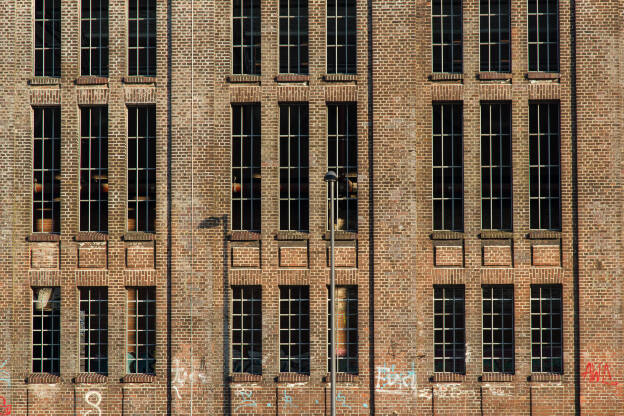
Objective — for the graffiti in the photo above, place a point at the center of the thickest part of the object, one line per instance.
(288, 400)
(598, 374)
(342, 400)
(95, 403)
(5, 409)
(4, 374)
(181, 376)
(246, 399)
(389, 380)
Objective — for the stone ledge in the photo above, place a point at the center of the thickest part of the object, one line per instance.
(447, 235)
(543, 75)
(494, 76)
(90, 378)
(342, 378)
(91, 80)
(292, 78)
(138, 79)
(43, 378)
(293, 378)
(138, 236)
(244, 236)
(496, 377)
(243, 78)
(139, 378)
(341, 235)
(43, 237)
(44, 80)
(548, 377)
(446, 76)
(495, 235)
(340, 77)
(291, 235)
(245, 378)
(447, 378)
(544, 235)
(90, 236)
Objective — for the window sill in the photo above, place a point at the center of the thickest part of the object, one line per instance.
(292, 78)
(446, 76)
(42, 237)
(293, 378)
(496, 377)
(243, 79)
(245, 378)
(543, 76)
(547, 377)
(447, 378)
(291, 235)
(244, 236)
(91, 80)
(494, 76)
(139, 378)
(90, 236)
(495, 235)
(90, 378)
(342, 378)
(43, 378)
(341, 235)
(544, 235)
(340, 77)
(138, 236)
(447, 235)
(138, 79)
(44, 80)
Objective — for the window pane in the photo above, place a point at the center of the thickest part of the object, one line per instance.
(295, 328)
(449, 332)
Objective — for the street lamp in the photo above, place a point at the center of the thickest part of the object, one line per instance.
(331, 178)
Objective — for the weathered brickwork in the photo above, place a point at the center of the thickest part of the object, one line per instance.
(394, 258)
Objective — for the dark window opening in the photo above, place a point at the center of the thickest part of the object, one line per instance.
(141, 168)
(94, 169)
(446, 35)
(48, 38)
(141, 330)
(246, 37)
(94, 38)
(47, 170)
(142, 37)
(246, 172)
(294, 341)
(341, 37)
(246, 329)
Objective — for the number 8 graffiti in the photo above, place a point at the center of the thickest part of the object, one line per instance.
(95, 403)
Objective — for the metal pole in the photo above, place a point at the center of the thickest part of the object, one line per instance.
(333, 304)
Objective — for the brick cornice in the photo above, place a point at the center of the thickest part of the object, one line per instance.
(40, 237)
(91, 80)
(90, 378)
(138, 378)
(245, 378)
(293, 378)
(43, 378)
(90, 236)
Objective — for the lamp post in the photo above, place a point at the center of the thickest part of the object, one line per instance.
(331, 178)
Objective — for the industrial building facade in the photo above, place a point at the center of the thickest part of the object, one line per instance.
(165, 244)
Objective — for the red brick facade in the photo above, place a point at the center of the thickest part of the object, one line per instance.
(193, 259)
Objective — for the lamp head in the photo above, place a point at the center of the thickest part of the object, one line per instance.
(330, 176)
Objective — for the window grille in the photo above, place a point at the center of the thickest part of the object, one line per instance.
(94, 330)
(141, 168)
(496, 180)
(48, 38)
(46, 169)
(246, 172)
(246, 329)
(448, 189)
(142, 37)
(446, 35)
(341, 37)
(546, 329)
(293, 37)
(494, 42)
(294, 181)
(94, 38)
(342, 159)
(346, 329)
(543, 35)
(246, 37)
(46, 341)
(449, 330)
(498, 329)
(141, 330)
(94, 169)
(294, 329)
(544, 166)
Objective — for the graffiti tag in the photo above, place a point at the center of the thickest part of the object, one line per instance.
(599, 373)
(5, 409)
(388, 378)
(246, 399)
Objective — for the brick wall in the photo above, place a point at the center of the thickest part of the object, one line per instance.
(193, 258)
